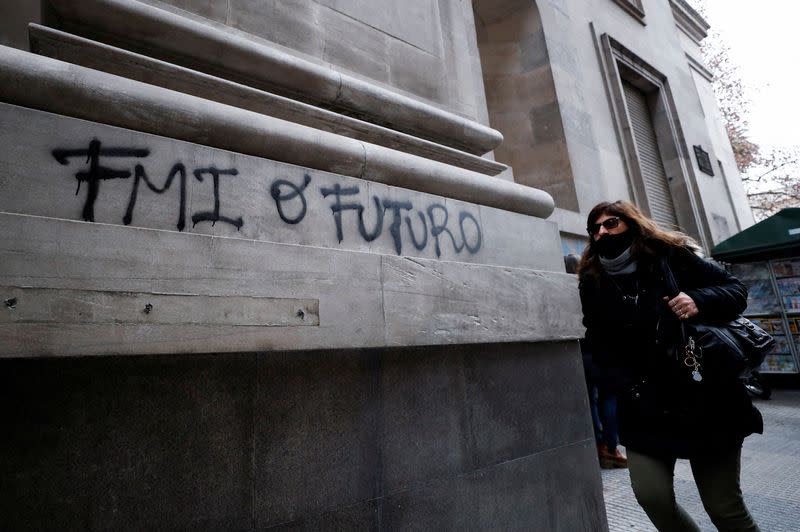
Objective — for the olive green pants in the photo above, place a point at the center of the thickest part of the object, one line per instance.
(717, 479)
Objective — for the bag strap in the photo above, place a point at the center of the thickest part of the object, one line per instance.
(672, 284)
(672, 290)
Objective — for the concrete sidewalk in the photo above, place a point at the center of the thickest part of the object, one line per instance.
(770, 476)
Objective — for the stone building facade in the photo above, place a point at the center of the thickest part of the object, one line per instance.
(615, 101)
(298, 264)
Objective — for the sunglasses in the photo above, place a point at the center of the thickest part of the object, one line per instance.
(608, 223)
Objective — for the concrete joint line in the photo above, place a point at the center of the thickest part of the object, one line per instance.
(364, 164)
(338, 98)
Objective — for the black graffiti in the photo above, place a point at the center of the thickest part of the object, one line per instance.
(418, 245)
(214, 216)
(290, 202)
(439, 228)
(464, 215)
(394, 228)
(437, 214)
(139, 174)
(96, 172)
(338, 207)
(296, 192)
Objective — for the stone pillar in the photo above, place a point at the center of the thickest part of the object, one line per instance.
(253, 280)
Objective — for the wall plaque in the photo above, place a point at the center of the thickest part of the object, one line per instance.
(703, 161)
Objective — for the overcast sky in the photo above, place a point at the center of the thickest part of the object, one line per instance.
(764, 38)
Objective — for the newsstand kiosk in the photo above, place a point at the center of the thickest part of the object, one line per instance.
(766, 258)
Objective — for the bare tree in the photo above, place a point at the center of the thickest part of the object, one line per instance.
(732, 100)
(773, 183)
(770, 176)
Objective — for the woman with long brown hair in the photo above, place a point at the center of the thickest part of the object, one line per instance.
(665, 411)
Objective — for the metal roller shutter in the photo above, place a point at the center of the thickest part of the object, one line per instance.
(656, 186)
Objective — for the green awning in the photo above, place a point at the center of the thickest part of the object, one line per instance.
(776, 237)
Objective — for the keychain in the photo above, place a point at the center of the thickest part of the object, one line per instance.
(692, 360)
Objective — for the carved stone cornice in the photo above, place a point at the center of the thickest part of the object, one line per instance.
(633, 7)
(700, 68)
(98, 56)
(225, 53)
(30, 80)
(689, 20)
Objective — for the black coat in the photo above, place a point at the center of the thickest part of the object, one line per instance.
(632, 333)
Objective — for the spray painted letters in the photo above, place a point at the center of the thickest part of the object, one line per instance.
(432, 224)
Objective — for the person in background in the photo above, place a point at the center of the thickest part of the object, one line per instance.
(602, 400)
(664, 411)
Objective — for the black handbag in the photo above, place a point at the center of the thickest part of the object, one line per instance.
(721, 350)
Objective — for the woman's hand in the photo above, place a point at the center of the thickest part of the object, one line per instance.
(683, 306)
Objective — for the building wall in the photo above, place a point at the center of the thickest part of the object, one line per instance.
(731, 206)
(452, 437)
(574, 33)
(258, 273)
(16, 14)
(522, 99)
(580, 170)
(373, 40)
(336, 309)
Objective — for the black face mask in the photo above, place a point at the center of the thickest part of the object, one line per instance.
(611, 246)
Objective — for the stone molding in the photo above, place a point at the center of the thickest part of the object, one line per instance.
(31, 81)
(699, 67)
(689, 21)
(92, 54)
(633, 8)
(621, 63)
(168, 184)
(233, 56)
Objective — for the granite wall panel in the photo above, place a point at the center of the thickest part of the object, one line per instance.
(173, 443)
(46, 452)
(425, 430)
(127, 444)
(447, 437)
(364, 516)
(517, 402)
(316, 434)
(531, 493)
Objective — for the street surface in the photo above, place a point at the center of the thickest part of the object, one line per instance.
(770, 476)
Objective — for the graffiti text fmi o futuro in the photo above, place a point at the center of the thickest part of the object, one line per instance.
(462, 232)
